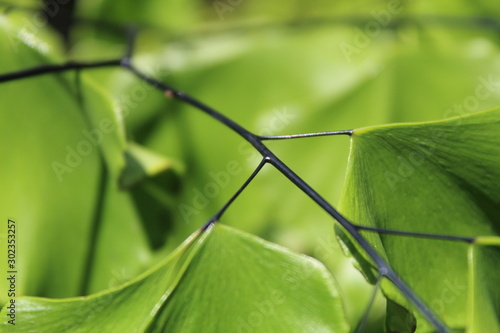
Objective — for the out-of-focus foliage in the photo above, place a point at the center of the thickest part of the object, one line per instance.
(275, 68)
(436, 178)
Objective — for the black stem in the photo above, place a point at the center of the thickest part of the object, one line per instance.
(219, 214)
(384, 269)
(149, 80)
(305, 135)
(46, 69)
(416, 234)
(131, 38)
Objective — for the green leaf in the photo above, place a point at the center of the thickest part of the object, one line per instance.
(484, 294)
(141, 163)
(436, 178)
(256, 285)
(399, 76)
(60, 134)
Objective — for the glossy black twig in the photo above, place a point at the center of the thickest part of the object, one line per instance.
(305, 135)
(268, 157)
(416, 234)
(217, 216)
(131, 33)
(384, 268)
(50, 69)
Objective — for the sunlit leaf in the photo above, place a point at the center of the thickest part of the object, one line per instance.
(220, 280)
(436, 178)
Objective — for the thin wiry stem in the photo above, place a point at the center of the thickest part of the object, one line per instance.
(384, 269)
(416, 234)
(268, 156)
(217, 216)
(131, 38)
(173, 93)
(305, 135)
(49, 69)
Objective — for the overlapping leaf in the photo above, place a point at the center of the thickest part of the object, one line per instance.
(395, 74)
(436, 178)
(220, 280)
(483, 311)
(64, 141)
(399, 75)
(54, 129)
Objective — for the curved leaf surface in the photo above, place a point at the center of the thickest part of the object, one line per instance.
(220, 280)
(436, 178)
(59, 134)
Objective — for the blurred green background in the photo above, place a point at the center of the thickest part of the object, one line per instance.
(274, 67)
